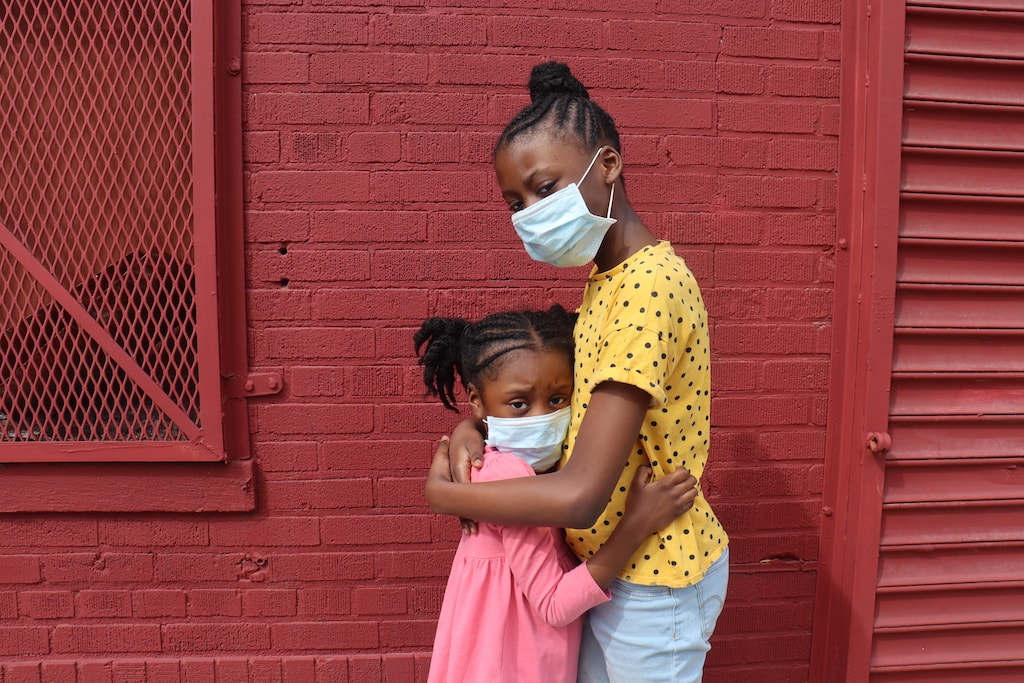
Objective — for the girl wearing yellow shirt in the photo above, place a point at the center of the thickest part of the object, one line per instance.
(641, 392)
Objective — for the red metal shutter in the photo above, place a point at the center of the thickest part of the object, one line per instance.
(950, 597)
(922, 570)
(108, 262)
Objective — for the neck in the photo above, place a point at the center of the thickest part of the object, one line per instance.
(626, 237)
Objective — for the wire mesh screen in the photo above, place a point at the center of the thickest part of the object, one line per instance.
(97, 311)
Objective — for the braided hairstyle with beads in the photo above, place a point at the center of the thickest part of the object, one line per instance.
(559, 100)
(453, 347)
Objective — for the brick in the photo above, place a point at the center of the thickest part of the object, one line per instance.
(318, 602)
(278, 305)
(321, 28)
(95, 672)
(262, 147)
(276, 531)
(408, 634)
(214, 602)
(794, 445)
(61, 672)
(311, 344)
(198, 671)
(232, 669)
(312, 147)
(308, 418)
(46, 604)
(352, 227)
(335, 670)
(772, 42)
(767, 117)
(694, 75)
(103, 603)
(431, 147)
(673, 37)
(19, 569)
(98, 567)
(319, 494)
(410, 419)
(672, 189)
(430, 186)
(482, 69)
(275, 67)
(314, 187)
(128, 671)
(811, 11)
(370, 529)
(312, 108)
(804, 81)
(226, 637)
(51, 533)
(319, 381)
(435, 31)
(25, 672)
(163, 671)
(569, 33)
(799, 303)
(377, 380)
(160, 603)
(791, 229)
(463, 226)
(324, 566)
(71, 638)
(276, 226)
(427, 108)
(138, 532)
(372, 601)
(308, 265)
(783, 338)
(198, 567)
(370, 67)
(324, 635)
(761, 266)
(414, 564)
(398, 492)
(298, 670)
(369, 304)
(375, 148)
(287, 456)
(739, 78)
(404, 265)
(269, 603)
(366, 456)
(8, 605)
(656, 112)
(767, 191)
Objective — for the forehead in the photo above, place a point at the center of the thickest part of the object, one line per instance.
(541, 150)
(528, 366)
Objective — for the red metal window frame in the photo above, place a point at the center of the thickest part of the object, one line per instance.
(167, 475)
(870, 137)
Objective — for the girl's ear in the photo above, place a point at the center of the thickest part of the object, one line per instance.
(476, 402)
(611, 164)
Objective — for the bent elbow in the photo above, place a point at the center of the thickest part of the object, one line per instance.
(584, 510)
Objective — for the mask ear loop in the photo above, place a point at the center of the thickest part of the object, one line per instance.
(583, 177)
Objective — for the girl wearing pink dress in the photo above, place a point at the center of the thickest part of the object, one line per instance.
(516, 595)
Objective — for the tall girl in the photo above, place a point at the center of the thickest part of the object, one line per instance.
(512, 609)
(641, 397)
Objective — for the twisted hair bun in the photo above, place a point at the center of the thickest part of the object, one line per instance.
(552, 79)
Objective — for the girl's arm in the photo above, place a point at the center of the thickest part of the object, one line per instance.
(560, 597)
(572, 497)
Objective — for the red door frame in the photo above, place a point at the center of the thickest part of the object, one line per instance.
(870, 137)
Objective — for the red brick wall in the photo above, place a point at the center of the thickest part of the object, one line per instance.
(370, 206)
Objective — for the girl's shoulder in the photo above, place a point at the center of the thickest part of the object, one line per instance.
(498, 465)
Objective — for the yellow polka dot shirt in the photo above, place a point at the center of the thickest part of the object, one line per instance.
(643, 323)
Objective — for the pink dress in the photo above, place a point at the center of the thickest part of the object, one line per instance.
(513, 607)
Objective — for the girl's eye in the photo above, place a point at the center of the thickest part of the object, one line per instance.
(517, 405)
(544, 189)
(558, 400)
(515, 206)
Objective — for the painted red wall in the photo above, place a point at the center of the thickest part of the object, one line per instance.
(370, 206)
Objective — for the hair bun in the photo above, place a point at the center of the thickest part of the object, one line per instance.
(553, 79)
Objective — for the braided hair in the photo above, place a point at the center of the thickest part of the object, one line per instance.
(454, 347)
(558, 99)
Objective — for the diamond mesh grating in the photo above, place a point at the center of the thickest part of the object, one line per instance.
(96, 161)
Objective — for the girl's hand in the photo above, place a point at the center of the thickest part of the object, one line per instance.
(650, 507)
(440, 476)
(466, 450)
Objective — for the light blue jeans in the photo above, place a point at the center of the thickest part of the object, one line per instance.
(653, 634)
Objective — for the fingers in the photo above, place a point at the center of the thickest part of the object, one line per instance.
(643, 474)
(440, 466)
(468, 526)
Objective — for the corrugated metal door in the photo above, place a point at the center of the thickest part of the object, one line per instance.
(934, 524)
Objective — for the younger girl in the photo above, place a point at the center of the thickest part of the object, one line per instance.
(641, 398)
(515, 595)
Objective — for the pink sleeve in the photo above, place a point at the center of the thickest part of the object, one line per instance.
(560, 597)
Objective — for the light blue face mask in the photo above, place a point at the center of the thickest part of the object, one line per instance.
(560, 230)
(536, 439)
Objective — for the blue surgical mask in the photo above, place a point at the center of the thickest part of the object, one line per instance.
(536, 439)
(560, 230)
